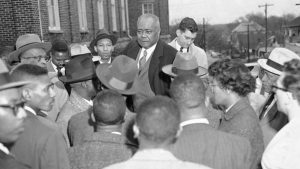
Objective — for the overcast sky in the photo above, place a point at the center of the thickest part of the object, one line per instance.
(226, 11)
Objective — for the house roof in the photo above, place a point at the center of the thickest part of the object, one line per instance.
(243, 27)
(294, 23)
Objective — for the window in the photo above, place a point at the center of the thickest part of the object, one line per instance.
(123, 14)
(113, 15)
(82, 15)
(147, 8)
(53, 13)
(100, 14)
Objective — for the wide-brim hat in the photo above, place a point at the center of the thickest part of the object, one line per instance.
(102, 34)
(25, 42)
(5, 79)
(78, 69)
(276, 60)
(119, 75)
(79, 49)
(184, 63)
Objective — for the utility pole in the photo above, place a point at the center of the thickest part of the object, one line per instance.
(248, 42)
(266, 18)
(204, 38)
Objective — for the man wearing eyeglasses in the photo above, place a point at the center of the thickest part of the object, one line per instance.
(30, 50)
(12, 117)
(41, 146)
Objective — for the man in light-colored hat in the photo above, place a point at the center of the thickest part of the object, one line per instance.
(184, 42)
(184, 63)
(102, 47)
(12, 116)
(271, 119)
(80, 75)
(31, 50)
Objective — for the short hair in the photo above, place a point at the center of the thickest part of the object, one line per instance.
(158, 120)
(233, 76)
(59, 45)
(291, 79)
(188, 23)
(27, 72)
(109, 107)
(152, 16)
(188, 91)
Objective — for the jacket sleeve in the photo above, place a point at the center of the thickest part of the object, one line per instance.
(54, 155)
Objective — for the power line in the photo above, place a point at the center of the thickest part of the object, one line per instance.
(266, 18)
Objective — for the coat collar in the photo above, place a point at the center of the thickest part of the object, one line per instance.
(236, 108)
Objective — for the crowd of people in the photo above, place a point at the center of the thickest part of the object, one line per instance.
(156, 105)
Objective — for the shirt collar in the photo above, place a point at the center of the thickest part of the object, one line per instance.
(62, 70)
(149, 51)
(228, 108)
(177, 46)
(194, 121)
(30, 110)
(98, 58)
(4, 149)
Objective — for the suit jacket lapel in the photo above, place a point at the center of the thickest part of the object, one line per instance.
(133, 52)
(154, 63)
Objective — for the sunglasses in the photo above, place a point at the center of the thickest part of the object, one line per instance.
(14, 107)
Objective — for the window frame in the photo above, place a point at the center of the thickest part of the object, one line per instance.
(53, 15)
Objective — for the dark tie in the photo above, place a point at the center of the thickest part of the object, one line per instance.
(59, 74)
(181, 48)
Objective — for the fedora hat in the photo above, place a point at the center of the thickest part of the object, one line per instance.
(78, 69)
(102, 34)
(276, 60)
(184, 63)
(5, 79)
(119, 75)
(78, 49)
(25, 42)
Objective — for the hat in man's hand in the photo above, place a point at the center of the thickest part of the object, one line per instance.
(25, 42)
(102, 34)
(184, 63)
(119, 75)
(78, 69)
(78, 49)
(276, 60)
(5, 79)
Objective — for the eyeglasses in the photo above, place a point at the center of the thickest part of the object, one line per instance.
(14, 107)
(274, 88)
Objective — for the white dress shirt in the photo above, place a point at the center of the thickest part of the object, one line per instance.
(149, 53)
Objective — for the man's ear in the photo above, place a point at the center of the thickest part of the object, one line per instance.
(136, 131)
(178, 32)
(26, 94)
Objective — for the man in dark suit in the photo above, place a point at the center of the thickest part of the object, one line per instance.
(151, 55)
(108, 144)
(41, 145)
(199, 142)
(12, 116)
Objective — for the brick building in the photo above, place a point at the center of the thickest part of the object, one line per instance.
(76, 20)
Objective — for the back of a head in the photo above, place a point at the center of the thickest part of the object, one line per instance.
(188, 91)
(158, 120)
(232, 75)
(28, 72)
(109, 107)
(188, 24)
(291, 79)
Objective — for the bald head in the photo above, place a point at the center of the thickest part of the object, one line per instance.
(158, 120)
(109, 108)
